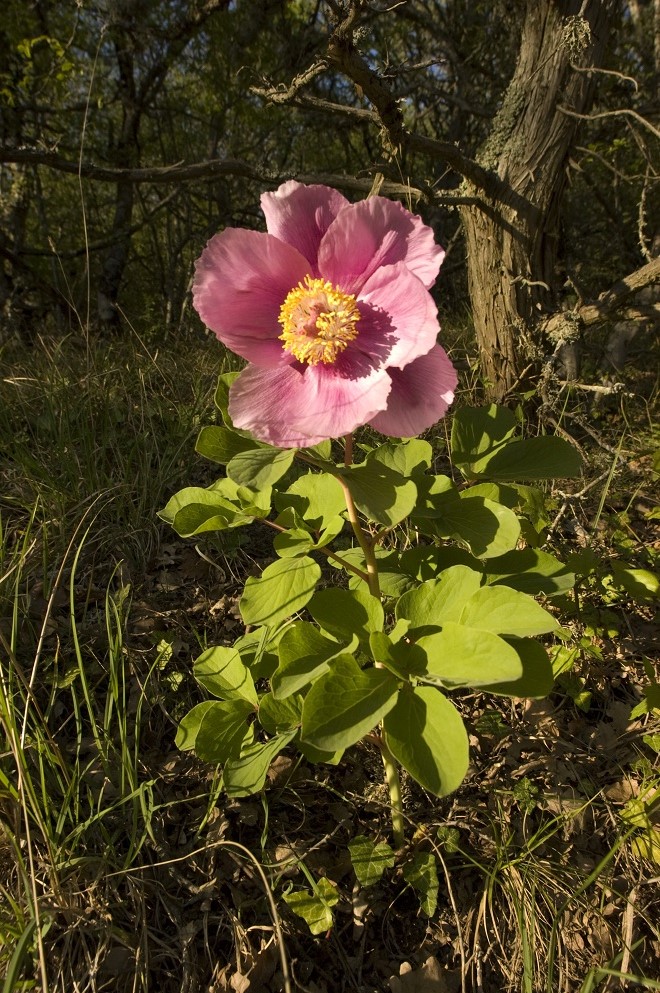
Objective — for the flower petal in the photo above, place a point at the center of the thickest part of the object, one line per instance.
(398, 312)
(294, 407)
(300, 215)
(420, 395)
(373, 233)
(241, 280)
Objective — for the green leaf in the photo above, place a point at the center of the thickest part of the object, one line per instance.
(189, 726)
(505, 611)
(194, 510)
(370, 860)
(478, 432)
(409, 457)
(463, 656)
(382, 494)
(304, 655)
(488, 528)
(294, 542)
(317, 755)
(315, 907)
(344, 613)
(426, 735)
(346, 703)
(276, 716)
(641, 584)
(282, 590)
(260, 467)
(221, 444)
(401, 658)
(529, 570)
(439, 600)
(221, 671)
(247, 774)
(221, 398)
(424, 562)
(222, 730)
(545, 457)
(422, 874)
(317, 497)
(537, 676)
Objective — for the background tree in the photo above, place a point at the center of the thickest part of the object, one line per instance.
(523, 131)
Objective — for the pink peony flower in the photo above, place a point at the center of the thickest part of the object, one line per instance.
(332, 311)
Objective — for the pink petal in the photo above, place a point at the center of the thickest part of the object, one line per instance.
(373, 233)
(398, 312)
(294, 407)
(241, 280)
(300, 215)
(421, 394)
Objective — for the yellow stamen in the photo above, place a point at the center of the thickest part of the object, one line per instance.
(318, 321)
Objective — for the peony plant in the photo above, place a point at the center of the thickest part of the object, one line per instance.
(430, 581)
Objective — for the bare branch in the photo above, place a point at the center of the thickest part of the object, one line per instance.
(608, 303)
(624, 112)
(211, 168)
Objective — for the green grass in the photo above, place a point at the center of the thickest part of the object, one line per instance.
(116, 864)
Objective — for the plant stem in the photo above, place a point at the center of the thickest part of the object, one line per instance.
(367, 544)
(394, 785)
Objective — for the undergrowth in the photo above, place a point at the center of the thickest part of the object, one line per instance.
(121, 868)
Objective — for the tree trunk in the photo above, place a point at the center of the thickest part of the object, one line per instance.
(513, 247)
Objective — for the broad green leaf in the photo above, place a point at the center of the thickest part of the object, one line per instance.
(409, 457)
(641, 584)
(545, 457)
(370, 860)
(650, 703)
(426, 735)
(317, 497)
(346, 703)
(304, 655)
(401, 658)
(257, 650)
(260, 467)
(317, 755)
(315, 907)
(382, 494)
(283, 589)
(434, 493)
(424, 562)
(422, 874)
(530, 570)
(221, 671)
(391, 579)
(505, 611)
(477, 432)
(497, 492)
(194, 510)
(222, 730)
(276, 716)
(344, 613)
(293, 542)
(488, 528)
(221, 444)
(537, 676)
(463, 656)
(189, 726)
(254, 502)
(247, 774)
(439, 600)
(221, 398)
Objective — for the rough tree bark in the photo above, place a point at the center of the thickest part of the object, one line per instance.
(512, 248)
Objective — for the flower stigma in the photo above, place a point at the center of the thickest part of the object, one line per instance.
(318, 321)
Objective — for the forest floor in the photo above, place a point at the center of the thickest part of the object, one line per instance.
(123, 866)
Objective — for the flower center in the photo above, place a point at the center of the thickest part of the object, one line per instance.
(318, 321)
